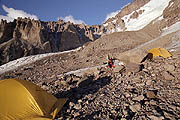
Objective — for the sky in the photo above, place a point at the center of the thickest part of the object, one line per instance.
(89, 12)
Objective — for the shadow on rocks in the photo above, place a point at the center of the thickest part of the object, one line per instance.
(88, 86)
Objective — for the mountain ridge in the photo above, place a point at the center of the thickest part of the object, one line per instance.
(29, 37)
(35, 37)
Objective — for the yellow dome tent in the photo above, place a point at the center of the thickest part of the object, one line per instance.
(157, 52)
(23, 100)
(160, 52)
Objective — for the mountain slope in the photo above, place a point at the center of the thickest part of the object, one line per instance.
(119, 43)
(140, 13)
(29, 37)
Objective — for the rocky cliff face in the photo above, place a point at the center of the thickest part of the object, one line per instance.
(172, 13)
(24, 37)
(136, 4)
(117, 24)
(140, 13)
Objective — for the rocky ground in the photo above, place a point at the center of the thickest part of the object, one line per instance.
(152, 93)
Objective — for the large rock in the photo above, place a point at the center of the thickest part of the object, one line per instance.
(169, 68)
(167, 76)
(150, 94)
(152, 117)
(138, 98)
(135, 108)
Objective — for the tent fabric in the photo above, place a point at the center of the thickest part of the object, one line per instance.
(156, 52)
(20, 99)
(160, 52)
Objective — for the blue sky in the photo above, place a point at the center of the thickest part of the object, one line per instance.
(88, 11)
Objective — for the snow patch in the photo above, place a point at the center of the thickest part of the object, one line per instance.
(112, 30)
(105, 25)
(119, 29)
(175, 45)
(173, 28)
(158, 19)
(152, 11)
(114, 21)
(27, 60)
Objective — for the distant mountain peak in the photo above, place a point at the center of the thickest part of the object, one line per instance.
(136, 15)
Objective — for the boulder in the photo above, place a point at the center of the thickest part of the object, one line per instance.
(135, 108)
(138, 98)
(150, 94)
(169, 68)
(167, 76)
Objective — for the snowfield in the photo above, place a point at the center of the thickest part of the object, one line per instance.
(152, 10)
(173, 28)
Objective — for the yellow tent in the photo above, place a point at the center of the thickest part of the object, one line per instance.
(23, 100)
(160, 52)
(156, 52)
